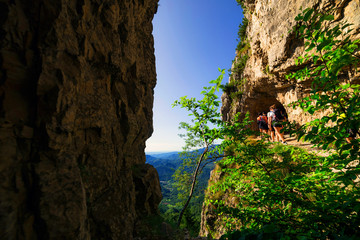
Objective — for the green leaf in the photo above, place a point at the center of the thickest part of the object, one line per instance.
(315, 58)
(345, 86)
(308, 14)
(213, 81)
(299, 17)
(328, 17)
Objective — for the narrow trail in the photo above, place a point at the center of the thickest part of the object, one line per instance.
(305, 145)
(292, 141)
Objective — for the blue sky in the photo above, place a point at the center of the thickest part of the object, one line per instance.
(193, 38)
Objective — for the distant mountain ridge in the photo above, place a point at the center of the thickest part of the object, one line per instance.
(165, 164)
(162, 154)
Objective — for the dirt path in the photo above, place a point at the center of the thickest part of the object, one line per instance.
(305, 145)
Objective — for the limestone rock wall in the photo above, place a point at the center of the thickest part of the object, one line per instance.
(273, 51)
(76, 96)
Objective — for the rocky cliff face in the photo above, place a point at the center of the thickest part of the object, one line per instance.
(272, 52)
(76, 96)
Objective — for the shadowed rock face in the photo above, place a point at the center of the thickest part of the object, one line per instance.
(76, 96)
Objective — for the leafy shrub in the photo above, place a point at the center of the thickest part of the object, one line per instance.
(241, 3)
(228, 87)
(239, 66)
(242, 34)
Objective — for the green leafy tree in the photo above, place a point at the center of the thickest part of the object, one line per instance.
(202, 132)
(330, 61)
(283, 192)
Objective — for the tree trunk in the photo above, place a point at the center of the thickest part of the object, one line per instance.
(192, 186)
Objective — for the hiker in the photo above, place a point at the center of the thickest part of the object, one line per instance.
(271, 129)
(274, 120)
(263, 124)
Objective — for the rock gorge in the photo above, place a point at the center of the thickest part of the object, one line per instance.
(272, 51)
(76, 96)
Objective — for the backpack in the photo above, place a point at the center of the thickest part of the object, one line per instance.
(278, 115)
(262, 119)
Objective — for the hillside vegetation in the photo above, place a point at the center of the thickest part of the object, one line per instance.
(166, 164)
(269, 191)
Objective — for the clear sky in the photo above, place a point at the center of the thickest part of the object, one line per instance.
(193, 38)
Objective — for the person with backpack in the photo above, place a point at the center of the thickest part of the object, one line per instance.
(263, 124)
(275, 119)
(271, 128)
